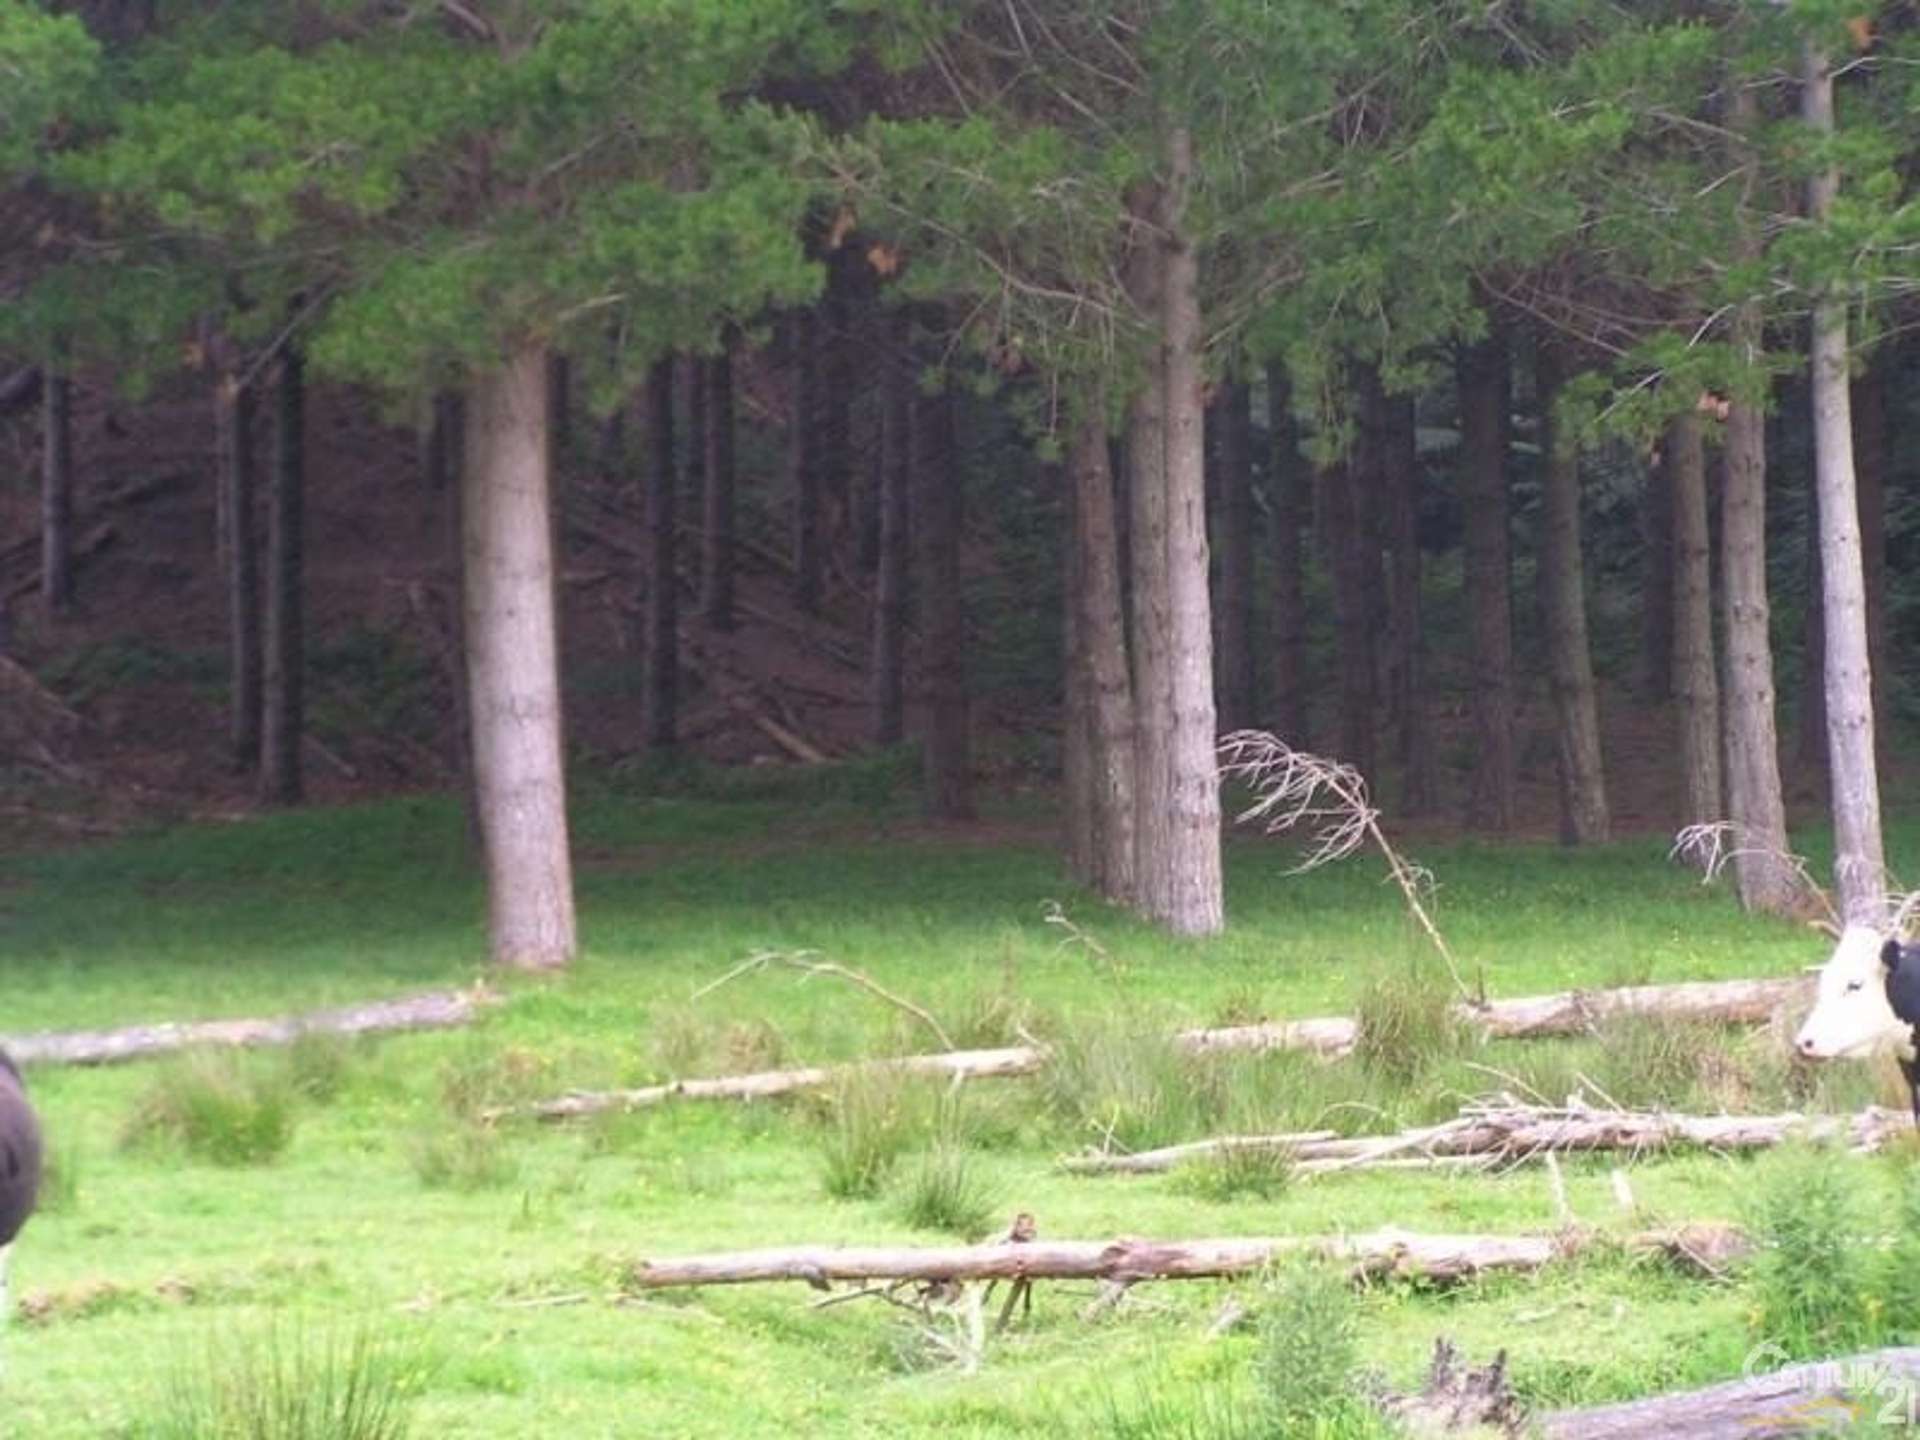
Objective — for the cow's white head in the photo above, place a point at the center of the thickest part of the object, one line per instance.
(1851, 1016)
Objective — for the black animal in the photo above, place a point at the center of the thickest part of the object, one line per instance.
(1903, 994)
(20, 1152)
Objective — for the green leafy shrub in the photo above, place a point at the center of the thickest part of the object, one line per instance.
(947, 1190)
(1407, 1025)
(1810, 1275)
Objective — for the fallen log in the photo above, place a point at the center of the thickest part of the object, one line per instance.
(1516, 1133)
(1821, 1398)
(435, 1010)
(1128, 1261)
(1729, 1002)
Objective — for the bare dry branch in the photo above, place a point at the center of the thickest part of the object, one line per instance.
(804, 961)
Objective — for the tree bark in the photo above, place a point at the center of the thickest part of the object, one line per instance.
(1287, 481)
(894, 475)
(803, 462)
(1860, 878)
(1563, 592)
(1195, 896)
(284, 648)
(660, 672)
(1407, 689)
(513, 665)
(1231, 419)
(1869, 402)
(233, 422)
(940, 521)
(1696, 686)
(1099, 674)
(56, 496)
(717, 529)
(1484, 418)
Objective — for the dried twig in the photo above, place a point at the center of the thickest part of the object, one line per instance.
(1712, 845)
(804, 961)
(1295, 787)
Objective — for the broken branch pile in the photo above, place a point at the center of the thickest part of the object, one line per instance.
(1505, 1133)
(1728, 1002)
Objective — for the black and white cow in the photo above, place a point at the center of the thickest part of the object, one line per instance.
(1868, 1003)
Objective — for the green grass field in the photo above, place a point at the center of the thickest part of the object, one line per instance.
(494, 1260)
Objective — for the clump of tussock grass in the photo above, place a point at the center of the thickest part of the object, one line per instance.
(483, 1076)
(1407, 1025)
(277, 1384)
(947, 1189)
(990, 1017)
(1308, 1372)
(216, 1106)
(685, 1041)
(1809, 1278)
(317, 1066)
(1127, 1087)
(1244, 1172)
(466, 1156)
(868, 1120)
(61, 1167)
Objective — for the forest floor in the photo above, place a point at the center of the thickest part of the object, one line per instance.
(494, 1258)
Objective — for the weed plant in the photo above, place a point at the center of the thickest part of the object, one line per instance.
(216, 1106)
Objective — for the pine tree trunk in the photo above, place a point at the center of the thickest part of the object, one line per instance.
(1695, 685)
(1656, 586)
(513, 665)
(660, 672)
(1400, 476)
(803, 462)
(1859, 855)
(56, 496)
(1196, 899)
(1076, 701)
(888, 673)
(1583, 792)
(1341, 538)
(939, 522)
(1288, 497)
(284, 652)
(717, 528)
(233, 423)
(1151, 592)
(1230, 418)
(1869, 402)
(1105, 700)
(1810, 710)
(1484, 418)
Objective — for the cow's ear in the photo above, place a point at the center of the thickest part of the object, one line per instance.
(1890, 955)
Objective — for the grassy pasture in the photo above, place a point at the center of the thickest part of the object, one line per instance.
(348, 1190)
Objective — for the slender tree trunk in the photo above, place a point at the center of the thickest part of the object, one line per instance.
(1869, 402)
(659, 683)
(1076, 708)
(1340, 532)
(1105, 700)
(1400, 477)
(233, 423)
(513, 665)
(833, 414)
(283, 696)
(1484, 418)
(1695, 685)
(1288, 495)
(939, 523)
(1563, 592)
(1810, 714)
(803, 463)
(56, 496)
(717, 534)
(1859, 855)
(1231, 419)
(1197, 905)
(888, 674)
(1766, 879)
(1656, 585)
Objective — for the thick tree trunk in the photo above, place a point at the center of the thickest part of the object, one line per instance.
(888, 667)
(1563, 592)
(1696, 686)
(1484, 418)
(803, 462)
(1099, 673)
(1859, 865)
(660, 667)
(284, 649)
(1412, 712)
(1230, 418)
(1196, 901)
(513, 665)
(717, 528)
(1287, 494)
(56, 496)
(940, 514)
(233, 423)
(1765, 876)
